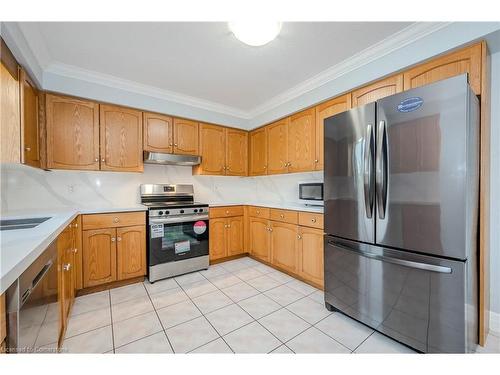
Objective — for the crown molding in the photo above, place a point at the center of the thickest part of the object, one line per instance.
(390, 44)
(77, 73)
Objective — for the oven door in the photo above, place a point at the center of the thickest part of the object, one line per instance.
(172, 239)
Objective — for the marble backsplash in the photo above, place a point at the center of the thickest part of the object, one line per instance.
(24, 187)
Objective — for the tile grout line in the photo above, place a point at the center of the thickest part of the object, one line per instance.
(112, 325)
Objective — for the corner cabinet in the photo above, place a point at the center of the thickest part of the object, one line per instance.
(30, 129)
(121, 139)
(72, 127)
(257, 158)
(277, 147)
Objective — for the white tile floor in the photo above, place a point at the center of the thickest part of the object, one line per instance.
(240, 306)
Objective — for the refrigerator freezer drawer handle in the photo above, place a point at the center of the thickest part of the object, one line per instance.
(400, 262)
(381, 169)
(368, 172)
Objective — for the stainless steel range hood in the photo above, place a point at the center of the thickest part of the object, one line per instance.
(170, 159)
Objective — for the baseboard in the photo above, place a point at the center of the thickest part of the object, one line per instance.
(495, 323)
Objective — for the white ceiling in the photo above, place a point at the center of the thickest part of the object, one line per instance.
(204, 60)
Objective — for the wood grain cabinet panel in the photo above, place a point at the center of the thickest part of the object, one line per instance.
(30, 129)
(235, 235)
(284, 246)
(257, 211)
(72, 127)
(277, 147)
(302, 141)
(99, 256)
(227, 211)
(236, 152)
(158, 133)
(66, 275)
(10, 135)
(311, 219)
(323, 111)
(377, 90)
(186, 137)
(286, 216)
(212, 150)
(467, 60)
(131, 252)
(217, 243)
(259, 238)
(310, 255)
(258, 152)
(111, 220)
(121, 139)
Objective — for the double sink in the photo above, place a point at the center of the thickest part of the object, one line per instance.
(28, 223)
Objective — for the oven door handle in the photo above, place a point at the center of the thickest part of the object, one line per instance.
(177, 219)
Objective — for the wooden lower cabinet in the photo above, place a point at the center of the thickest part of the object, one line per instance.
(99, 256)
(131, 252)
(310, 255)
(284, 245)
(226, 237)
(3, 324)
(259, 238)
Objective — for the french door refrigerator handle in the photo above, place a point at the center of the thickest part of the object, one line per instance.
(381, 169)
(368, 172)
(400, 262)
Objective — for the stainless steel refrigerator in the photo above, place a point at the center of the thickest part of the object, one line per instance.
(401, 215)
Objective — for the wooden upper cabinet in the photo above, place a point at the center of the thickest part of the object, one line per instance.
(277, 147)
(30, 133)
(323, 111)
(377, 90)
(72, 127)
(302, 141)
(131, 252)
(212, 150)
(257, 152)
(236, 152)
(99, 256)
(121, 139)
(186, 137)
(10, 137)
(467, 60)
(158, 135)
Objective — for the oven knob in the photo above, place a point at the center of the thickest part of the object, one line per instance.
(201, 209)
(181, 211)
(167, 212)
(195, 210)
(160, 213)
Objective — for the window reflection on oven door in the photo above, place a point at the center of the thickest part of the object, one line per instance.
(177, 241)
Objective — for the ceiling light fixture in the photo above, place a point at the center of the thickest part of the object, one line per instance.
(255, 33)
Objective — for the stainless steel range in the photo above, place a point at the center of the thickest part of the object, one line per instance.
(178, 229)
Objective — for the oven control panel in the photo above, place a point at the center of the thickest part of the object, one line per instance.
(164, 212)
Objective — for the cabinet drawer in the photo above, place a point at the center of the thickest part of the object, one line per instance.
(311, 219)
(285, 216)
(112, 220)
(226, 211)
(255, 211)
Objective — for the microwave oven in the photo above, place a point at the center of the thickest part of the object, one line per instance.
(311, 193)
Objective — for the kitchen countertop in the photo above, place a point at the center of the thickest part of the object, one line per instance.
(19, 248)
(283, 206)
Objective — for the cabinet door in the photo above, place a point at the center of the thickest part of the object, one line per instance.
(99, 256)
(30, 151)
(258, 152)
(158, 133)
(10, 137)
(186, 137)
(212, 150)
(323, 111)
(377, 90)
(302, 141)
(467, 60)
(236, 152)
(64, 266)
(235, 235)
(72, 127)
(217, 243)
(131, 251)
(284, 245)
(121, 139)
(277, 144)
(78, 253)
(259, 238)
(310, 255)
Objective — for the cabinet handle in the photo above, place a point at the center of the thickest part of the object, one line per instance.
(67, 267)
(170, 144)
(75, 250)
(270, 229)
(119, 239)
(27, 149)
(113, 239)
(229, 226)
(76, 225)
(258, 212)
(96, 159)
(316, 160)
(313, 220)
(282, 216)
(227, 212)
(265, 166)
(299, 237)
(103, 160)
(116, 220)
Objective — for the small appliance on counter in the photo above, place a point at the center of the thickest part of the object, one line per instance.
(311, 193)
(178, 230)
